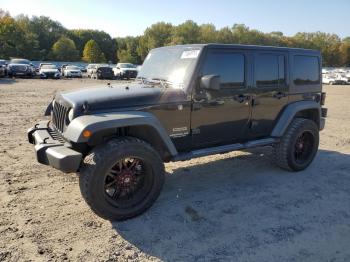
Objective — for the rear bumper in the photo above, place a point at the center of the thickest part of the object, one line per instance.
(49, 150)
(324, 112)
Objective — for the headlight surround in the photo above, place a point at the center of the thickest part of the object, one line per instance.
(70, 114)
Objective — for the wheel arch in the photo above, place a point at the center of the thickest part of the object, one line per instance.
(303, 109)
(142, 125)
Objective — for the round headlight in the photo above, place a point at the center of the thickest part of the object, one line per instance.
(70, 115)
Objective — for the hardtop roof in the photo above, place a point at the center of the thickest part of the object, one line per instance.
(249, 47)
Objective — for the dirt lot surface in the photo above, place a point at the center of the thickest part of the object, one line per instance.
(236, 206)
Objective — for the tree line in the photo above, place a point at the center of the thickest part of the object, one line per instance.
(41, 38)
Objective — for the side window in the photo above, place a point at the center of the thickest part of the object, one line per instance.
(229, 66)
(269, 70)
(306, 70)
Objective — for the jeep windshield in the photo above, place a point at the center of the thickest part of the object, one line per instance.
(169, 66)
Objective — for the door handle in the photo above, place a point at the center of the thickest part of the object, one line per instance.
(241, 98)
(279, 95)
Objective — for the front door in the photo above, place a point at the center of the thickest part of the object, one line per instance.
(221, 116)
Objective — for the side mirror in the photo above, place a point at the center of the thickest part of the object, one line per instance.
(210, 82)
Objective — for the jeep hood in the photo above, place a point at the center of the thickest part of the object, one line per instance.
(116, 97)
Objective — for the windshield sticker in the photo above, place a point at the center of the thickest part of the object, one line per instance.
(189, 54)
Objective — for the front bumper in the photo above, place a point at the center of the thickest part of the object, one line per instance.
(129, 74)
(52, 151)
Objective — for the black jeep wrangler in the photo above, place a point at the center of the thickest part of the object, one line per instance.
(188, 101)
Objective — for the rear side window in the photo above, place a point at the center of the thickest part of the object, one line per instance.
(306, 70)
(229, 66)
(269, 70)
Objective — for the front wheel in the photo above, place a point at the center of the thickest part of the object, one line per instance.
(298, 146)
(121, 178)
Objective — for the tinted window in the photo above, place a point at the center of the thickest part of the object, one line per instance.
(229, 66)
(269, 70)
(306, 70)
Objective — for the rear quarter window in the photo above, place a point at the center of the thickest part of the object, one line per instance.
(306, 70)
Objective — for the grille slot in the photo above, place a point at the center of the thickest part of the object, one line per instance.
(59, 116)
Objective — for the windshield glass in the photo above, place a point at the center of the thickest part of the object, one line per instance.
(172, 64)
(126, 65)
(72, 68)
(20, 61)
(48, 67)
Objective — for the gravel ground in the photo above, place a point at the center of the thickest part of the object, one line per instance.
(236, 206)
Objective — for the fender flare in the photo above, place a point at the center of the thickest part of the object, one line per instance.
(110, 121)
(289, 113)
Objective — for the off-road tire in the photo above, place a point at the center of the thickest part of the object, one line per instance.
(284, 150)
(96, 165)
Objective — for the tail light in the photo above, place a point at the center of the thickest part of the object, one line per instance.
(323, 98)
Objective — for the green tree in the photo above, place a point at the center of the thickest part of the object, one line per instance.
(14, 41)
(207, 33)
(225, 36)
(92, 53)
(157, 35)
(103, 39)
(344, 51)
(186, 33)
(64, 50)
(127, 49)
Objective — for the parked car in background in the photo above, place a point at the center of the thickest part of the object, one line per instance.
(3, 70)
(125, 70)
(49, 71)
(103, 72)
(20, 67)
(342, 78)
(90, 69)
(62, 68)
(72, 71)
(328, 79)
(82, 69)
(42, 64)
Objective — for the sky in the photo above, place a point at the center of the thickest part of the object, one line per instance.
(122, 18)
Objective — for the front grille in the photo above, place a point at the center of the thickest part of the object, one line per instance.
(131, 73)
(56, 135)
(59, 116)
(20, 68)
(50, 74)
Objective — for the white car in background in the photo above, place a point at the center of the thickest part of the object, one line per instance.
(125, 70)
(91, 69)
(329, 79)
(49, 71)
(342, 78)
(72, 71)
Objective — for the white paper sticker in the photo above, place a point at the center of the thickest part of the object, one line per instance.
(188, 54)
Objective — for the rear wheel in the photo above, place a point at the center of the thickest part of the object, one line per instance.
(122, 178)
(298, 146)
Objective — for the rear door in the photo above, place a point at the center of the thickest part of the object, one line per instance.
(270, 90)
